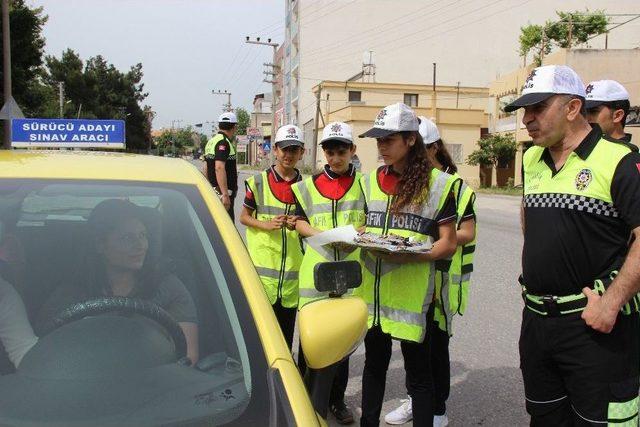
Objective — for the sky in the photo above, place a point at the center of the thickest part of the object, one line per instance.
(187, 48)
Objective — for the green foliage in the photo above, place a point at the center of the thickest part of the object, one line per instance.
(27, 47)
(243, 121)
(542, 38)
(494, 150)
(177, 140)
(97, 90)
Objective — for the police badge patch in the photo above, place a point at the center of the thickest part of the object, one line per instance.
(583, 179)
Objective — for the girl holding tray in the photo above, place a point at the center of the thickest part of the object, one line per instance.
(410, 198)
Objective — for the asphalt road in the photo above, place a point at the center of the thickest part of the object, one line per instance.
(486, 386)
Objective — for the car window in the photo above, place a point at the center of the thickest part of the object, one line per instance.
(137, 314)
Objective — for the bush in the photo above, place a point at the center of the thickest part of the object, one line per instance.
(494, 150)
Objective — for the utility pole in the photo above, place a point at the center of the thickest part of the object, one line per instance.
(273, 80)
(314, 148)
(61, 98)
(227, 106)
(542, 47)
(6, 67)
(570, 30)
(433, 94)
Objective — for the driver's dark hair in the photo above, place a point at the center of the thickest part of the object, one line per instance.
(104, 219)
(226, 125)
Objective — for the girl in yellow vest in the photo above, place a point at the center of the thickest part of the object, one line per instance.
(451, 293)
(269, 215)
(410, 198)
(330, 199)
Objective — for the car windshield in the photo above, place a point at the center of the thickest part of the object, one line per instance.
(122, 308)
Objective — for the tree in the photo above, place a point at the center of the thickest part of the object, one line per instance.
(494, 150)
(27, 47)
(243, 121)
(177, 140)
(573, 28)
(97, 90)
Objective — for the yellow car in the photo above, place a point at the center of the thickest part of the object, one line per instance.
(127, 297)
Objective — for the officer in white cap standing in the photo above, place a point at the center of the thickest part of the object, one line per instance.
(607, 106)
(580, 326)
(220, 157)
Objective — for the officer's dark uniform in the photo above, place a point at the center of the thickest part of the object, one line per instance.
(577, 222)
(221, 148)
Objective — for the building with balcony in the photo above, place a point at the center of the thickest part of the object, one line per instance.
(459, 113)
(471, 43)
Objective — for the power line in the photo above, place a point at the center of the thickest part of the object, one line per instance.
(410, 34)
(362, 36)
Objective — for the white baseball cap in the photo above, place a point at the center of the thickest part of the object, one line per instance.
(544, 82)
(227, 117)
(428, 131)
(337, 131)
(289, 135)
(603, 91)
(392, 119)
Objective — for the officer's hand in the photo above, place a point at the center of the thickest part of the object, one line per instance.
(276, 223)
(597, 314)
(361, 229)
(226, 201)
(291, 222)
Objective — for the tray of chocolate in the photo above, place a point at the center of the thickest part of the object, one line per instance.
(390, 243)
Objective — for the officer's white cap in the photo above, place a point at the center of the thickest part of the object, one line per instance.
(392, 119)
(289, 135)
(428, 130)
(227, 117)
(602, 91)
(337, 131)
(544, 82)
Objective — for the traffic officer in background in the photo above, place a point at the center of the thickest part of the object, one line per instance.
(579, 335)
(220, 157)
(608, 105)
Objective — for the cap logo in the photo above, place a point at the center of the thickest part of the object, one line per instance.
(336, 128)
(380, 118)
(291, 131)
(528, 83)
(583, 179)
(589, 89)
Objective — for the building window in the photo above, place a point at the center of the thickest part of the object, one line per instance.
(411, 99)
(456, 153)
(355, 96)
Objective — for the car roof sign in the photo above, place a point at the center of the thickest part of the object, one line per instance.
(57, 133)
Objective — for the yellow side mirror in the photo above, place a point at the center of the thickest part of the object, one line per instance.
(331, 329)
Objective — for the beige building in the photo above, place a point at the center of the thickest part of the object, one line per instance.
(459, 113)
(471, 42)
(622, 65)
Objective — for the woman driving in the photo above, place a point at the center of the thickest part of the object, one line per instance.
(118, 261)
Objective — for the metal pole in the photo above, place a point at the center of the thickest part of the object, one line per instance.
(434, 77)
(457, 95)
(274, 127)
(315, 129)
(61, 98)
(6, 67)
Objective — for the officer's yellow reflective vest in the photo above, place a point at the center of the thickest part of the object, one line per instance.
(453, 292)
(276, 254)
(399, 295)
(210, 148)
(325, 214)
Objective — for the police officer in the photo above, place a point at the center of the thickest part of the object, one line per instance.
(608, 106)
(578, 342)
(220, 157)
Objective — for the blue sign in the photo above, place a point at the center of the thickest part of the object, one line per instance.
(67, 133)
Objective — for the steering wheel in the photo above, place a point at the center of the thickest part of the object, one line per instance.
(127, 305)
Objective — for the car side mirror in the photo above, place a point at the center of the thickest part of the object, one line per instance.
(337, 277)
(331, 329)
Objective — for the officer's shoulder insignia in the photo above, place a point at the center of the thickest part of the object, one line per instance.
(583, 179)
